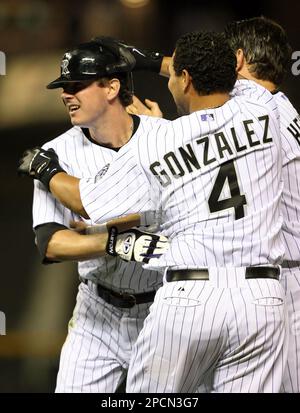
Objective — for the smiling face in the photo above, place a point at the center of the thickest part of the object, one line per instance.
(86, 101)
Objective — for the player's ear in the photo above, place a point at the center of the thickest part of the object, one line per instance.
(240, 60)
(113, 88)
(186, 80)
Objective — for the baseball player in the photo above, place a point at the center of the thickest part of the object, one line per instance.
(263, 55)
(114, 296)
(212, 178)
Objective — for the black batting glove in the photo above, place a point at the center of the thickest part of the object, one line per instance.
(136, 245)
(39, 164)
(144, 59)
(126, 61)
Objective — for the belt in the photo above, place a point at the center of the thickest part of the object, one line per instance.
(290, 264)
(203, 274)
(122, 300)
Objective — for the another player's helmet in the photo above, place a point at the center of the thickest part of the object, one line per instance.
(102, 56)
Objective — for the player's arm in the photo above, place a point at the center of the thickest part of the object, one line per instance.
(65, 189)
(119, 195)
(68, 245)
(44, 165)
(83, 242)
(116, 238)
(164, 69)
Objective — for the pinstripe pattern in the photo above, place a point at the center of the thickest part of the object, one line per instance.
(290, 173)
(129, 186)
(82, 158)
(290, 133)
(226, 334)
(291, 284)
(97, 350)
(221, 335)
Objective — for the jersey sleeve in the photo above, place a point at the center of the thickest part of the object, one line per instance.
(121, 189)
(47, 209)
(289, 128)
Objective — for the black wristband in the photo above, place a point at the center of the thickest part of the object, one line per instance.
(51, 170)
(111, 242)
(148, 61)
(155, 62)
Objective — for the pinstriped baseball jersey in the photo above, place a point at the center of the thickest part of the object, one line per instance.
(213, 181)
(290, 136)
(83, 158)
(209, 179)
(290, 140)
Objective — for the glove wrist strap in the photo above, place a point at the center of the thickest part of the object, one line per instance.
(47, 175)
(111, 242)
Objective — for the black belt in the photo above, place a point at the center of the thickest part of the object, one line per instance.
(122, 300)
(290, 264)
(251, 272)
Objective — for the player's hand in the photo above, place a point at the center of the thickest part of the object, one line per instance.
(150, 108)
(39, 164)
(144, 59)
(126, 60)
(135, 245)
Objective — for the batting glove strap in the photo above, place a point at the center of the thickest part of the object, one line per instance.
(40, 164)
(111, 242)
(135, 245)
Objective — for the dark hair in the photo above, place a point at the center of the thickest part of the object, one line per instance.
(125, 92)
(208, 59)
(265, 46)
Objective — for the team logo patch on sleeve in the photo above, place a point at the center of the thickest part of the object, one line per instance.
(102, 172)
(207, 116)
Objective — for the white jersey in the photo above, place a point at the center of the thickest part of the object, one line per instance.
(81, 157)
(290, 135)
(212, 179)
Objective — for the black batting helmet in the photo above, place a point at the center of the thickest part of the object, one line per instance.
(100, 57)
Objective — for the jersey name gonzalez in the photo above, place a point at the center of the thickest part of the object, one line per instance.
(214, 147)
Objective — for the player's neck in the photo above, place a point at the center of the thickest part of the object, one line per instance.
(245, 74)
(208, 102)
(113, 131)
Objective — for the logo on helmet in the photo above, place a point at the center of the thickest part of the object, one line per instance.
(64, 67)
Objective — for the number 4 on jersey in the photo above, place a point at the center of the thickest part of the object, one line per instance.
(237, 201)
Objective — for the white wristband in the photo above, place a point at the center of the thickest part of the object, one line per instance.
(96, 229)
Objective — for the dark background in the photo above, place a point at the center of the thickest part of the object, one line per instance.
(38, 300)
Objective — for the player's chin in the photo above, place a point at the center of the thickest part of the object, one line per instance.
(75, 120)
